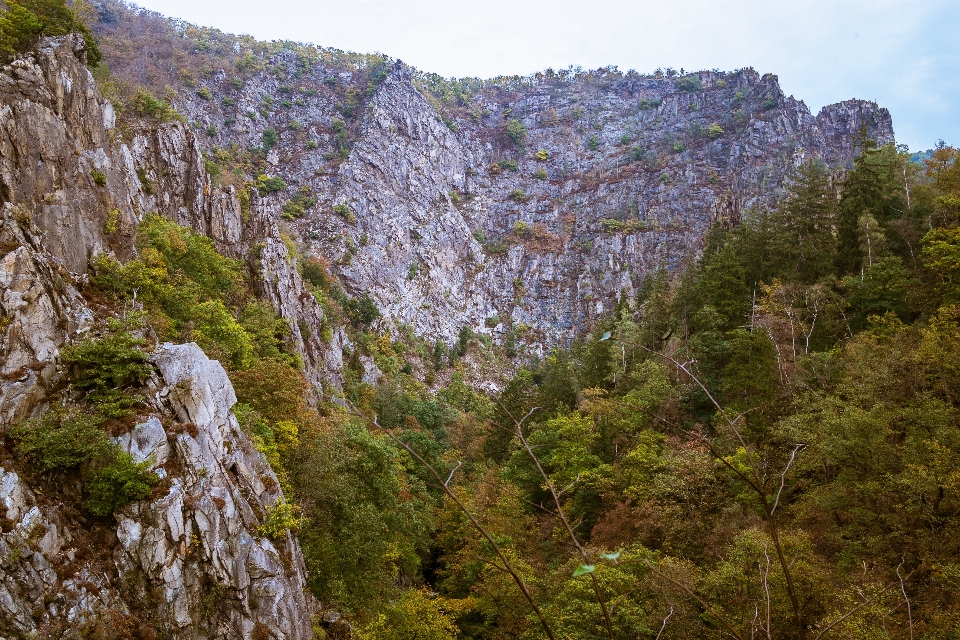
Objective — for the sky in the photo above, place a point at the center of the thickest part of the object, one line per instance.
(903, 54)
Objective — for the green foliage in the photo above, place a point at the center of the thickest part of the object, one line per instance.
(117, 483)
(299, 205)
(368, 518)
(678, 147)
(542, 155)
(508, 164)
(270, 139)
(541, 174)
(689, 83)
(105, 367)
(593, 143)
(23, 22)
(70, 441)
(269, 184)
(203, 93)
(714, 130)
(99, 178)
(517, 195)
(281, 518)
(515, 131)
(343, 210)
(146, 104)
(61, 440)
(417, 614)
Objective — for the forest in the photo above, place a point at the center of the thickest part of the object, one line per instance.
(763, 444)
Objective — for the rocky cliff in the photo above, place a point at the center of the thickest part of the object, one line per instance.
(525, 204)
(191, 560)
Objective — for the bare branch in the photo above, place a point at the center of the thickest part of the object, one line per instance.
(783, 476)
(664, 625)
(453, 471)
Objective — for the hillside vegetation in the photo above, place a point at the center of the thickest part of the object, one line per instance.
(762, 440)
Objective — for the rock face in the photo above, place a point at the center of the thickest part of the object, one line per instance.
(455, 221)
(190, 561)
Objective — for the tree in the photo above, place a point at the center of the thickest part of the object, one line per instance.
(23, 22)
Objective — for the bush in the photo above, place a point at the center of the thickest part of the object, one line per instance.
(517, 195)
(118, 483)
(115, 361)
(203, 93)
(625, 139)
(270, 184)
(678, 147)
(689, 83)
(23, 22)
(542, 155)
(507, 164)
(146, 104)
(343, 210)
(541, 174)
(593, 143)
(281, 517)
(515, 130)
(270, 139)
(636, 153)
(714, 130)
(60, 440)
(769, 103)
(417, 614)
(99, 178)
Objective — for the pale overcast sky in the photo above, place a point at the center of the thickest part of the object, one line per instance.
(905, 54)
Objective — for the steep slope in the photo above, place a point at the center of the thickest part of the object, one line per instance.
(191, 559)
(522, 205)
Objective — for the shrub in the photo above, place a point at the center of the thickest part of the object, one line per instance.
(99, 178)
(146, 104)
(515, 130)
(104, 367)
(269, 184)
(517, 195)
(417, 614)
(721, 84)
(689, 83)
(593, 143)
(343, 210)
(625, 139)
(769, 103)
(61, 440)
(203, 93)
(636, 153)
(520, 227)
(300, 204)
(508, 164)
(270, 139)
(542, 155)
(281, 517)
(23, 22)
(738, 97)
(112, 223)
(491, 321)
(714, 130)
(118, 483)
(678, 147)
(541, 174)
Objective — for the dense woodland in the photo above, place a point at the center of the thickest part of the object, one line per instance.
(762, 444)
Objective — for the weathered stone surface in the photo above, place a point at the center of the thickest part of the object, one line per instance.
(443, 238)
